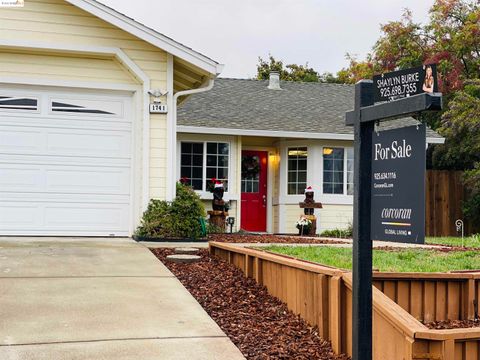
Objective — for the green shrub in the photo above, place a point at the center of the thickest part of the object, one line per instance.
(178, 219)
(339, 233)
(214, 229)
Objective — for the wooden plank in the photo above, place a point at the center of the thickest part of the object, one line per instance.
(390, 289)
(457, 334)
(416, 300)
(403, 295)
(441, 300)
(378, 284)
(429, 302)
(449, 350)
(322, 305)
(471, 350)
(291, 286)
(310, 305)
(454, 297)
(335, 314)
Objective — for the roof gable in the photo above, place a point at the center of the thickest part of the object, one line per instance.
(149, 35)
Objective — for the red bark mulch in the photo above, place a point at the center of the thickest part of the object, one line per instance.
(260, 325)
(452, 324)
(269, 238)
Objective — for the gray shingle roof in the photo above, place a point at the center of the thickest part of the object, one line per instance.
(299, 107)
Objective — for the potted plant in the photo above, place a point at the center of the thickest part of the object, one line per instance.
(303, 225)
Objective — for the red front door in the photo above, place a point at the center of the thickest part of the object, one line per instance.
(254, 191)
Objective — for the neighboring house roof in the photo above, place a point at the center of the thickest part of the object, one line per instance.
(147, 34)
(299, 109)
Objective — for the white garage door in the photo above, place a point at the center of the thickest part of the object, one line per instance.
(65, 163)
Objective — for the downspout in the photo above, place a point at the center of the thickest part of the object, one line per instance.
(171, 180)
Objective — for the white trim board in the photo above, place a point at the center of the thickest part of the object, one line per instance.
(279, 134)
(149, 35)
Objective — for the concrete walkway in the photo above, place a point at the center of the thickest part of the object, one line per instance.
(98, 299)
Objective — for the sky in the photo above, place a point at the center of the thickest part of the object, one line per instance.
(236, 33)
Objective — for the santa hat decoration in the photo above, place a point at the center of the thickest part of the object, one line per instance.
(308, 190)
(218, 184)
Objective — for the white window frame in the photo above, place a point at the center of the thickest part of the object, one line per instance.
(345, 170)
(287, 149)
(203, 192)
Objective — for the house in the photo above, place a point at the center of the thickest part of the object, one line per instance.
(267, 141)
(80, 152)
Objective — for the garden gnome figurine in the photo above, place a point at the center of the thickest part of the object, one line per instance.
(218, 204)
(309, 205)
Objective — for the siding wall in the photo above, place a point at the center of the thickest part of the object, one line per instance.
(57, 22)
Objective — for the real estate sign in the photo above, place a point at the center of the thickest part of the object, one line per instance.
(398, 184)
(404, 83)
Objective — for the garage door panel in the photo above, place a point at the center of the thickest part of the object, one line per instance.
(59, 218)
(66, 170)
(16, 215)
(52, 160)
(91, 143)
(19, 140)
(92, 181)
(65, 142)
(19, 179)
(44, 198)
(74, 216)
(62, 179)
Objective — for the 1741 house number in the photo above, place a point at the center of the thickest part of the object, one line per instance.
(157, 108)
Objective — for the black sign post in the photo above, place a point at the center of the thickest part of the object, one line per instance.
(363, 118)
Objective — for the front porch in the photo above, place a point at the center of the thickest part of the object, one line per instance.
(265, 178)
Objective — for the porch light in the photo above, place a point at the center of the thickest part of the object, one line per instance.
(296, 152)
(327, 151)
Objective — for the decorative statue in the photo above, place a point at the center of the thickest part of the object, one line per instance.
(309, 193)
(218, 204)
(309, 205)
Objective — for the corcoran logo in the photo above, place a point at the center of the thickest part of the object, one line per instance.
(12, 3)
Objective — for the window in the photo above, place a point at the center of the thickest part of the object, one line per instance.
(192, 164)
(18, 103)
(338, 171)
(202, 161)
(87, 106)
(250, 174)
(297, 170)
(349, 171)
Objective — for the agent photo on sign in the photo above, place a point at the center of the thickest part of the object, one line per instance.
(429, 82)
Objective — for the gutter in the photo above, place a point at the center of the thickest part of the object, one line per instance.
(172, 148)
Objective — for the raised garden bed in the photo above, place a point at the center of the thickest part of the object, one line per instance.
(269, 238)
(390, 259)
(260, 325)
(452, 324)
(403, 304)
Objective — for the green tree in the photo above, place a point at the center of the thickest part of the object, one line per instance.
(461, 128)
(290, 72)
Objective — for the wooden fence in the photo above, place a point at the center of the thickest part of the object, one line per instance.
(322, 295)
(444, 196)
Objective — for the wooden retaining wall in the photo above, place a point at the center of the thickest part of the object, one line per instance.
(322, 296)
(432, 296)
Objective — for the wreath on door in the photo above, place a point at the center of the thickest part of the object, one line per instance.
(250, 166)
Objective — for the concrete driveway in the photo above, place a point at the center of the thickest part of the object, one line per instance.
(98, 299)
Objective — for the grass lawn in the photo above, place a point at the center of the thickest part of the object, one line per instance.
(405, 260)
(471, 241)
